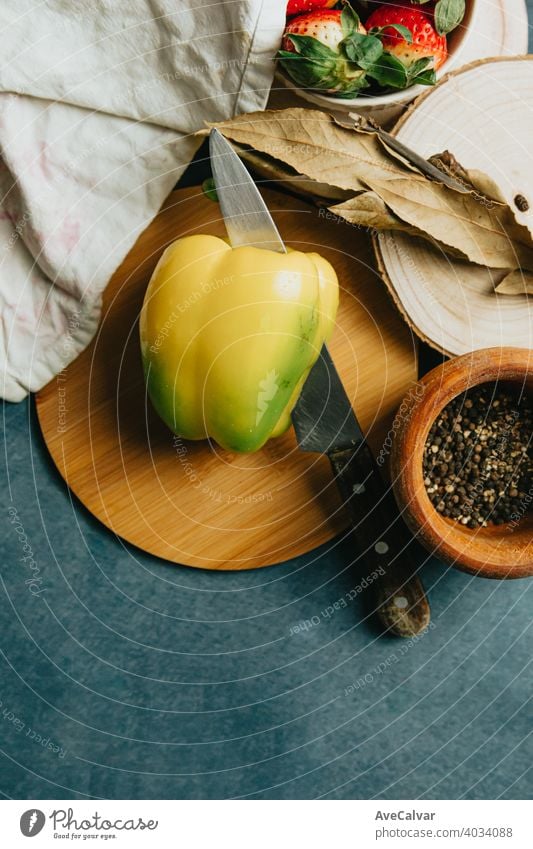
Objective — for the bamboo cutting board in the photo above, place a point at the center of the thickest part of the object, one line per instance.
(193, 503)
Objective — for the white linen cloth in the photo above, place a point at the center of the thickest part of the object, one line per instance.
(98, 103)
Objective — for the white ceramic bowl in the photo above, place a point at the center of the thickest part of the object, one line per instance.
(386, 107)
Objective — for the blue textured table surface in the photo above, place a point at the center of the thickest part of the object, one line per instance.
(126, 677)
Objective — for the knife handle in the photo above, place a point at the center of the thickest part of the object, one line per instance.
(383, 540)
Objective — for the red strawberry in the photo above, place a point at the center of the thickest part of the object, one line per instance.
(426, 40)
(324, 25)
(312, 51)
(298, 7)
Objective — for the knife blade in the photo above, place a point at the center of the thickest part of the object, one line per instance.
(325, 422)
(246, 216)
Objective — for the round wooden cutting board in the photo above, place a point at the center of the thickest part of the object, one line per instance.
(193, 503)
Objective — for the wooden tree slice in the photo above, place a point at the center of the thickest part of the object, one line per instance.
(483, 114)
(194, 503)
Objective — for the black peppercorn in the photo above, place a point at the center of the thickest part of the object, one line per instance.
(478, 458)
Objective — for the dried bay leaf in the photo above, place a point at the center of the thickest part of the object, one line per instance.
(485, 185)
(276, 170)
(516, 283)
(368, 210)
(480, 183)
(315, 145)
(487, 234)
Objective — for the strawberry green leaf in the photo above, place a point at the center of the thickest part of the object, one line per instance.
(420, 73)
(426, 78)
(349, 20)
(448, 15)
(308, 74)
(287, 54)
(418, 66)
(364, 50)
(389, 72)
(323, 75)
(312, 48)
(351, 92)
(405, 32)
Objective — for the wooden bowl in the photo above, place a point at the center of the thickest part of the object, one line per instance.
(504, 551)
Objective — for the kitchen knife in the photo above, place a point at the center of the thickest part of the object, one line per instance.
(325, 423)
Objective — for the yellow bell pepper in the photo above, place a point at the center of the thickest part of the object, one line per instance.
(229, 335)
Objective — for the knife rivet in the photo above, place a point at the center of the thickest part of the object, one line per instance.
(358, 488)
(381, 547)
(401, 602)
